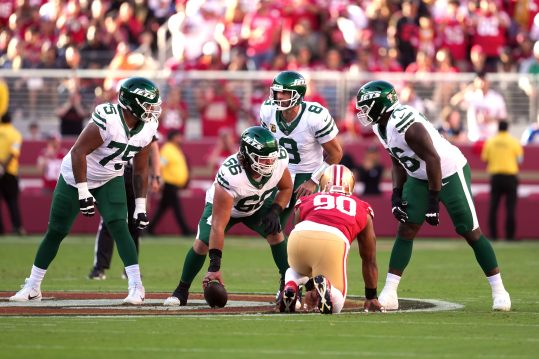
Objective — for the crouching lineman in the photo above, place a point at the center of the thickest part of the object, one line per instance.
(92, 173)
(326, 224)
(244, 191)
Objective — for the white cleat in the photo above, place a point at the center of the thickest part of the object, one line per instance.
(501, 301)
(172, 302)
(136, 295)
(389, 299)
(29, 292)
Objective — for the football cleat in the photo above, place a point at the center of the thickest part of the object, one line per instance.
(501, 301)
(323, 288)
(136, 295)
(97, 274)
(172, 302)
(29, 292)
(389, 299)
(289, 298)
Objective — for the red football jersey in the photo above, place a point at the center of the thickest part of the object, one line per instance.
(346, 213)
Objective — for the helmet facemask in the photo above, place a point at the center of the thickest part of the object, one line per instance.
(281, 105)
(363, 114)
(263, 165)
(152, 111)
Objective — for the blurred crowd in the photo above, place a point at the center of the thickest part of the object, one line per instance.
(413, 36)
(357, 35)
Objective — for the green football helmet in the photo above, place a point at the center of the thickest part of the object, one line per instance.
(141, 98)
(260, 149)
(288, 81)
(374, 100)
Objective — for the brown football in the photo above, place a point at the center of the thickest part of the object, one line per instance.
(215, 294)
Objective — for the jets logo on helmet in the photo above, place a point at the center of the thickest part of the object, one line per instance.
(259, 149)
(369, 96)
(141, 98)
(145, 93)
(375, 100)
(288, 82)
(337, 179)
(253, 142)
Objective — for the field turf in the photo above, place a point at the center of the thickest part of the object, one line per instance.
(440, 269)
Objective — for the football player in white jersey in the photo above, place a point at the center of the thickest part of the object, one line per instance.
(251, 187)
(426, 169)
(306, 130)
(92, 173)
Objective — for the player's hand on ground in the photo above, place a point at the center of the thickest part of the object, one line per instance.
(372, 305)
(86, 200)
(211, 276)
(398, 206)
(140, 215)
(306, 188)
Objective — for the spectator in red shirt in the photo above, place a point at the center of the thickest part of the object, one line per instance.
(218, 108)
(489, 24)
(174, 113)
(262, 31)
(50, 161)
(452, 34)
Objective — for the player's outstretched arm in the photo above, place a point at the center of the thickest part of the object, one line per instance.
(367, 251)
(222, 208)
(419, 140)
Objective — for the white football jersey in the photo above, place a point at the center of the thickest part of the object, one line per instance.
(119, 146)
(248, 194)
(401, 119)
(303, 137)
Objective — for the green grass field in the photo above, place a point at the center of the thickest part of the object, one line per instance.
(440, 269)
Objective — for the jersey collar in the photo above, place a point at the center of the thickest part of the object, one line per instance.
(284, 126)
(130, 133)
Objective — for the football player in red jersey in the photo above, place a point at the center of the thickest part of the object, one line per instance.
(326, 224)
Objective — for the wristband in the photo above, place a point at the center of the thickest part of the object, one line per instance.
(140, 205)
(397, 191)
(315, 177)
(215, 260)
(371, 293)
(83, 190)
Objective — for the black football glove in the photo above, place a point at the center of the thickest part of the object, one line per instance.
(86, 200)
(271, 222)
(432, 216)
(140, 216)
(398, 206)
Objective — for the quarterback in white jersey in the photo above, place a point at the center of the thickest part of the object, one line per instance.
(426, 170)
(251, 187)
(305, 129)
(92, 173)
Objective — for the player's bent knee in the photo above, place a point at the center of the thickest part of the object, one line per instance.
(200, 247)
(408, 230)
(273, 239)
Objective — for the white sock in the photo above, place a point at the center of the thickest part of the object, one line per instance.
(496, 283)
(292, 276)
(36, 276)
(133, 275)
(392, 281)
(338, 300)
